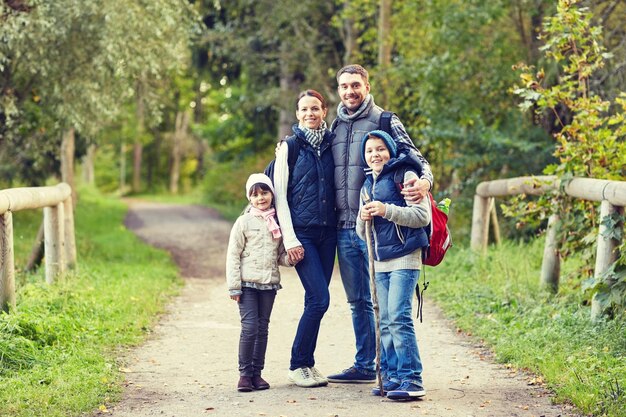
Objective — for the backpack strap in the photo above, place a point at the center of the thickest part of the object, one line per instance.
(293, 149)
(384, 123)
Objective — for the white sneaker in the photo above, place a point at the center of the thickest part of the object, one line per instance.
(317, 375)
(302, 377)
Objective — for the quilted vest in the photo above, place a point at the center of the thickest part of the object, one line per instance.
(311, 193)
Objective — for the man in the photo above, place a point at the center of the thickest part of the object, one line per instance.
(357, 115)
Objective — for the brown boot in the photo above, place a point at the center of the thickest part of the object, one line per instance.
(245, 384)
(259, 383)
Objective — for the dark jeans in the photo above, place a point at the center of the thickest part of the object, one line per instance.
(315, 271)
(255, 308)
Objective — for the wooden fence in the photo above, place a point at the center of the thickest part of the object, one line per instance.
(610, 194)
(59, 241)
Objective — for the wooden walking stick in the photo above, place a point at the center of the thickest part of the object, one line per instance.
(370, 254)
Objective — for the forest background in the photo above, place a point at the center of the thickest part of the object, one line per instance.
(184, 99)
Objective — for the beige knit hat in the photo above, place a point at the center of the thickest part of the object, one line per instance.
(258, 178)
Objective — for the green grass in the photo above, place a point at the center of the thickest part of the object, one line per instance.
(58, 347)
(497, 298)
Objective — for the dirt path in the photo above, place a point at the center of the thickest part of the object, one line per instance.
(189, 366)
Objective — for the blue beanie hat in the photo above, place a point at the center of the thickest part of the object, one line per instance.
(389, 142)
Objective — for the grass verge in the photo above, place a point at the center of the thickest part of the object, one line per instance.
(58, 347)
(498, 299)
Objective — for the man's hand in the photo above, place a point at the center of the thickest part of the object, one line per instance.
(416, 189)
(236, 298)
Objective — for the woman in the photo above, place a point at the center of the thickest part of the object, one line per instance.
(305, 202)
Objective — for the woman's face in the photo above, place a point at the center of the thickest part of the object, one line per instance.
(310, 113)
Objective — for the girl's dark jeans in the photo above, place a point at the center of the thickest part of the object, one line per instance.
(255, 308)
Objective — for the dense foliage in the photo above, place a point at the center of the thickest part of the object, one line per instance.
(590, 143)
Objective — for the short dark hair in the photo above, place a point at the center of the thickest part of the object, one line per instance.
(311, 93)
(354, 69)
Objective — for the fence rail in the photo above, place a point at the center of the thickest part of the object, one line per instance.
(610, 194)
(59, 240)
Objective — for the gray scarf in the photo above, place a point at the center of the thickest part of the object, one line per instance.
(314, 136)
(342, 111)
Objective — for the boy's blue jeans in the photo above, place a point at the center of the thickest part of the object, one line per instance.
(400, 357)
(353, 266)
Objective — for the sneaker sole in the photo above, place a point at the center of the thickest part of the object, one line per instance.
(405, 395)
(352, 381)
(314, 384)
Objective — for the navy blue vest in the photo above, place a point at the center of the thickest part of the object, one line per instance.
(392, 240)
(311, 190)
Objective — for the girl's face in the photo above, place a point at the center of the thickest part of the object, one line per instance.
(376, 154)
(261, 199)
(310, 113)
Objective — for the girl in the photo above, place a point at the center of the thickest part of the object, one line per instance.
(399, 236)
(255, 249)
(305, 200)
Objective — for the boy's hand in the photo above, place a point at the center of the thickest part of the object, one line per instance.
(415, 189)
(375, 208)
(236, 298)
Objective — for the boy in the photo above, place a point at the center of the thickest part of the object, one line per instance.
(399, 236)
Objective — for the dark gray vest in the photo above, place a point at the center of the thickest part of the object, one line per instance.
(349, 175)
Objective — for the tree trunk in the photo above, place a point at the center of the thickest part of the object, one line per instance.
(138, 147)
(180, 132)
(122, 167)
(89, 170)
(349, 38)
(67, 160)
(384, 49)
(289, 86)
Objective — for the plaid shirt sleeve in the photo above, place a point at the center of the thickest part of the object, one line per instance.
(400, 134)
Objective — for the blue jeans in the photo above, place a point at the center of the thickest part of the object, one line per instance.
(314, 271)
(255, 308)
(400, 357)
(353, 266)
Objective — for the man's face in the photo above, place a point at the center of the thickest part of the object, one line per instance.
(352, 90)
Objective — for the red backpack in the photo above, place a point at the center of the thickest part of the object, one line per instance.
(439, 239)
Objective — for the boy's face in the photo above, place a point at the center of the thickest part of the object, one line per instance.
(352, 90)
(376, 154)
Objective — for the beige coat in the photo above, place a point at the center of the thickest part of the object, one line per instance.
(253, 255)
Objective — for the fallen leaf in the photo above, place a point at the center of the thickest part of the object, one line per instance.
(125, 370)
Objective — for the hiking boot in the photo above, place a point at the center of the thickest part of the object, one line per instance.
(407, 391)
(245, 384)
(353, 376)
(302, 377)
(317, 375)
(259, 383)
(387, 386)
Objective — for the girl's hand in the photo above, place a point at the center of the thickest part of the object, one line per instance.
(375, 208)
(295, 255)
(236, 298)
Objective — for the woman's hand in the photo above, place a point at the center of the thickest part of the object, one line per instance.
(415, 189)
(295, 255)
(375, 208)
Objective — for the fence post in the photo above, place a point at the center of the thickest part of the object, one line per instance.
(551, 263)
(70, 239)
(54, 241)
(7, 263)
(480, 223)
(606, 254)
